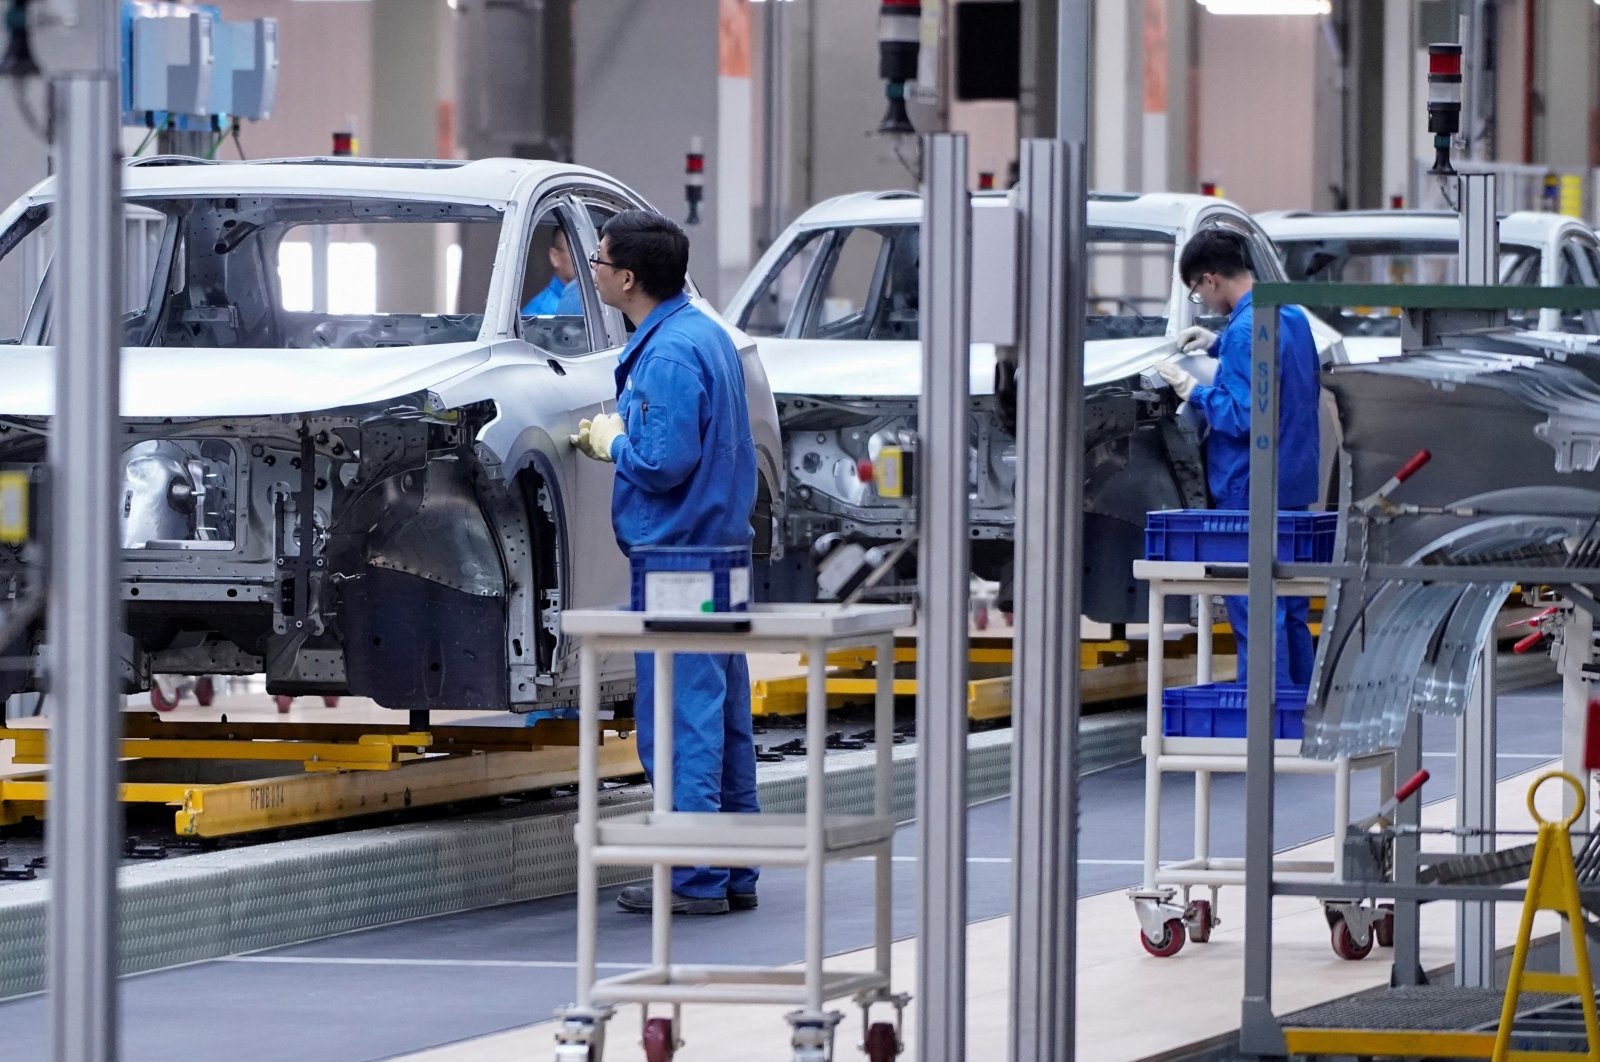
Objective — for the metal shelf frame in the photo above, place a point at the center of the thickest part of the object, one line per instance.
(1261, 1032)
(664, 838)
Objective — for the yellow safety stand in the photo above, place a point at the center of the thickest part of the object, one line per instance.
(1552, 886)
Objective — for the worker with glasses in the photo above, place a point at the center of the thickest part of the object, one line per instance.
(686, 476)
(1215, 267)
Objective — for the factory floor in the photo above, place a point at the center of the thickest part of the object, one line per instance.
(481, 985)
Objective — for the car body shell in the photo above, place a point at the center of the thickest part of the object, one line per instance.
(495, 410)
(1567, 249)
(870, 387)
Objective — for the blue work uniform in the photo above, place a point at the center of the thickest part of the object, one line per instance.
(570, 304)
(1225, 405)
(544, 303)
(686, 476)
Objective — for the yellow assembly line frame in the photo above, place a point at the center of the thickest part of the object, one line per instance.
(367, 773)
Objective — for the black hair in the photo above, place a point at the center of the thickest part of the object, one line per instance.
(654, 247)
(1213, 251)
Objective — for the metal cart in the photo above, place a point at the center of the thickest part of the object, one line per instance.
(1164, 923)
(664, 838)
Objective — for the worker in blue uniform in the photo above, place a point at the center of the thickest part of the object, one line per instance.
(1215, 267)
(686, 476)
(562, 295)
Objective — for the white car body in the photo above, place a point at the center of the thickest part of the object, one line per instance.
(1540, 249)
(449, 510)
(841, 395)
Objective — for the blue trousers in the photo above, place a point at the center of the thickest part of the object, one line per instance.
(1296, 651)
(714, 751)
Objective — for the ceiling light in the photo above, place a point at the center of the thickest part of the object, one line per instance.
(1271, 7)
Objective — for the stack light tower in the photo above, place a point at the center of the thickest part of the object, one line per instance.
(1444, 103)
(899, 42)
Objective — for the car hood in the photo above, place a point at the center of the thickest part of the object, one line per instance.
(208, 382)
(879, 369)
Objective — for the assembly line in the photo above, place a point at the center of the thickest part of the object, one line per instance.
(594, 545)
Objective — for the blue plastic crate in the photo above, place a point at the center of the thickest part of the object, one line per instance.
(690, 579)
(1224, 535)
(1219, 710)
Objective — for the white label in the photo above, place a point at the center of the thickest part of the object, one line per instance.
(679, 592)
(738, 587)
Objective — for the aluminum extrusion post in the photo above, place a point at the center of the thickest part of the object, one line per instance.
(942, 616)
(1259, 1033)
(85, 819)
(1575, 693)
(774, 125)
(1407, 969)
(1480, 229)
(1475, 753)
(1047, 684)
(1074, 48)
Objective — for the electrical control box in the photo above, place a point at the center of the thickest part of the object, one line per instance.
(246, 68)
(173, 63)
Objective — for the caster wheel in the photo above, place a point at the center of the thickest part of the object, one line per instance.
(159, 699)
(1383, 931)
(283, 702)
(659, 1043)
(1170, 942)
(205, 691)
(882, 1044)
(1345, 944)
(1198, 919)
(330, 702)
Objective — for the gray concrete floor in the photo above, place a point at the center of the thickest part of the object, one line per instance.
(397, 989)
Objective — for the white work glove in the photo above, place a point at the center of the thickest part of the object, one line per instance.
(1196, 338)
(595, 436)
(1181, 382)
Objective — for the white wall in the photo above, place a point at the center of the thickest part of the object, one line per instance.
(1257, 108)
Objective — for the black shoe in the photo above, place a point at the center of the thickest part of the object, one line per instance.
(743, 901)
(640, 898)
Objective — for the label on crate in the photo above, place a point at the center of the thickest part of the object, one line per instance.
(679, 592)
(738, 588)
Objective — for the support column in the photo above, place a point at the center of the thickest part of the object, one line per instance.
(942, 617)
(1475, 808)
(85, 824)
(1564, 66)
(1400, 102)
(405, 111)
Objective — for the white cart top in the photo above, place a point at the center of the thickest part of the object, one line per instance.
(800, 622)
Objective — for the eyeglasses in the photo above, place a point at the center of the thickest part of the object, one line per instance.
(595, 260)
(1194, 292)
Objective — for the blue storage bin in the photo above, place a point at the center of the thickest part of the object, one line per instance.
(690, 580)
(1219, 710)
(1224, 535)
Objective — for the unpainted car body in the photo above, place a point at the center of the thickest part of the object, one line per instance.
(833, 304)
(351, 501)
(1420, 247)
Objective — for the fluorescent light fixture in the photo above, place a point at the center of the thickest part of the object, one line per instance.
(1271, 7)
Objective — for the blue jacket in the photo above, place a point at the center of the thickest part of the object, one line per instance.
(686, 467)
(1225, 404)
(562, 300)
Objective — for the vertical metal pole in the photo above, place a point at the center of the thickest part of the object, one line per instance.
(664, 780)
(320, 236)
(1407, 968)
(942, 618)
(1259, 1033)
(1074, 46)
(85, 818)
(588, 816)
(775, 125)
(1575, 693)
(1049, 550)
(1480, 229)
(1475, 808)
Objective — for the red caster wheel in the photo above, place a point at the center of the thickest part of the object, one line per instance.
(1345, 944)
(330, 702)
(205, 691)
(1170, 942)
(659, 1043)
(1198, 919)
(882, 1044)
(283, 702)
(1383, 931)
(159, 699)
